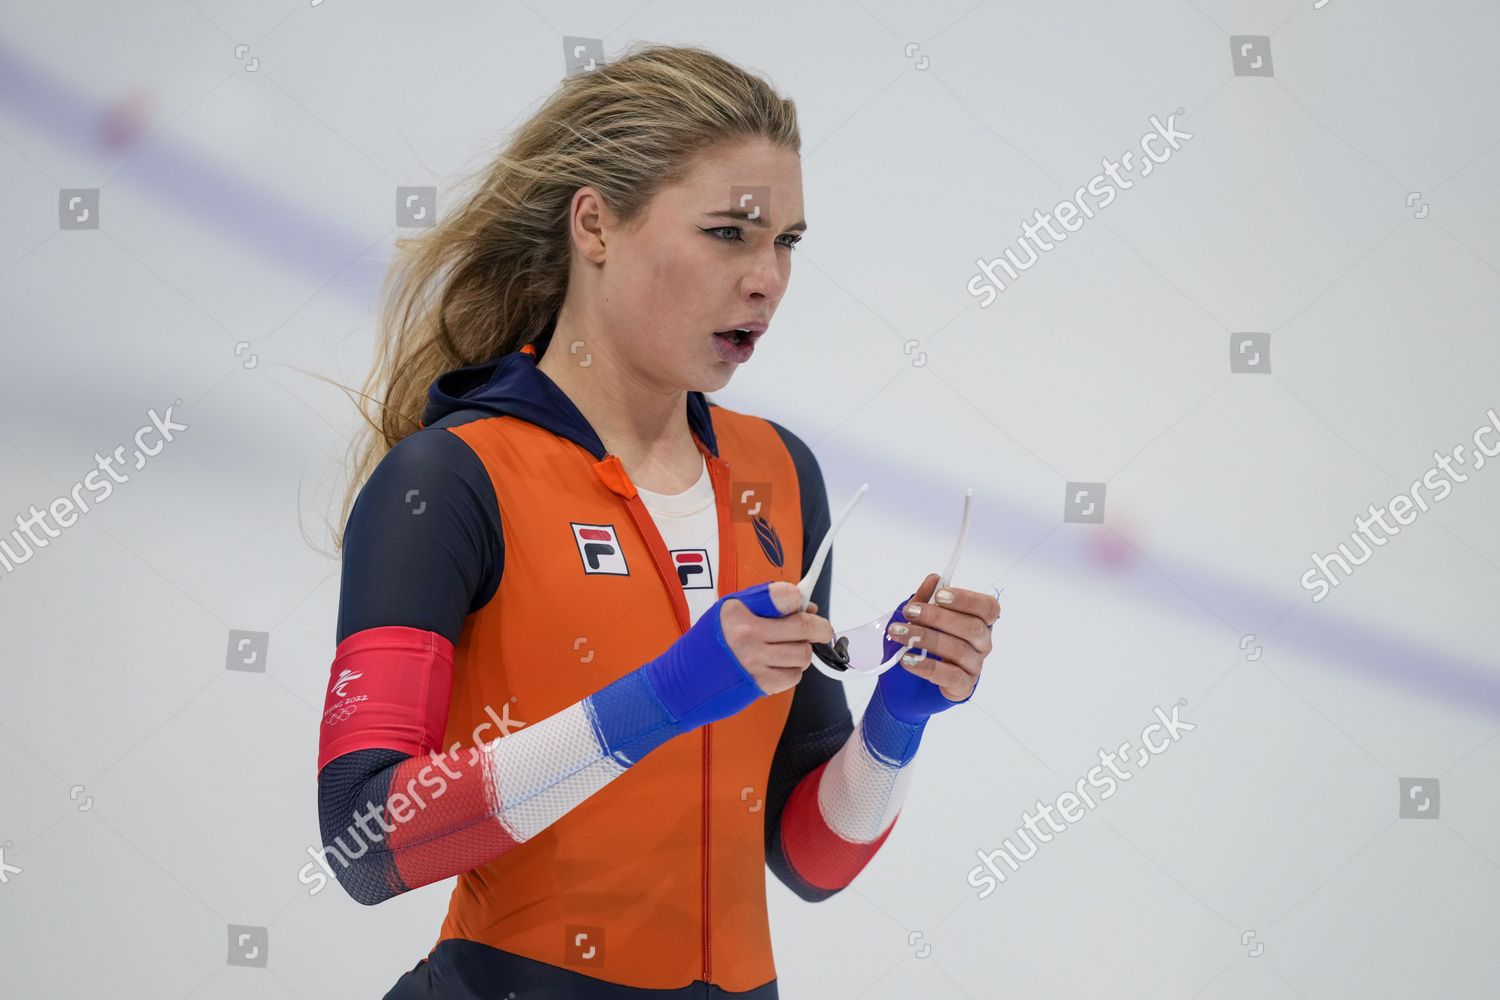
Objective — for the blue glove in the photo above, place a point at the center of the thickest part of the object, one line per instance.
(696, 680)
(699, 679)
(907, 697)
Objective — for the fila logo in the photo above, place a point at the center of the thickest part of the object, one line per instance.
(694, 571)
(599, 548)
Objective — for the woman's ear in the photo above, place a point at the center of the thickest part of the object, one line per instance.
(588, 219)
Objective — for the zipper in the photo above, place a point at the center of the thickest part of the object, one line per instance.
(718, 473)
(614, 476)
(708, 739)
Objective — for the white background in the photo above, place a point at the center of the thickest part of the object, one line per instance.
(258, 207)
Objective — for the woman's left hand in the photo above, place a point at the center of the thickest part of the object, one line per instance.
(955, 633)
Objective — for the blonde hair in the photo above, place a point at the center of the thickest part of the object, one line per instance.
(490, 277)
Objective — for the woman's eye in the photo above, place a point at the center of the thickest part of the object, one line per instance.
(736, 235)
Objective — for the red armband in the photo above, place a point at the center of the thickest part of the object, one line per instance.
(388, 687)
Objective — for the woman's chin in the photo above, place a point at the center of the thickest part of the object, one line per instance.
(713, 376)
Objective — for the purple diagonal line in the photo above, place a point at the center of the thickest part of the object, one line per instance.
(287, 235)
(192, 184)
(1084, 551)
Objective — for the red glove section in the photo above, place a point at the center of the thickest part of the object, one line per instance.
(815, 852)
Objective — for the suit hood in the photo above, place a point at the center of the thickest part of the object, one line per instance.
(513, 385)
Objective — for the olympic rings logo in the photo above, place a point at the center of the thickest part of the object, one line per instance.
(339, 714)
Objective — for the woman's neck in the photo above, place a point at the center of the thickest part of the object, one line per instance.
(647, 429)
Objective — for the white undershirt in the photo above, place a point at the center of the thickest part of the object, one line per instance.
(689, 525)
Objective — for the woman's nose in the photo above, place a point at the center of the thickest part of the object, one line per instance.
(768, 276)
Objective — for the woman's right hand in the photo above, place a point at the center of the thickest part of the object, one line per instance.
(774, 651)
(750, 644)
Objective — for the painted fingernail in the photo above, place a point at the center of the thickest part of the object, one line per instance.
(910, 659)
(945, 596)
(899, 629)
(913, 610)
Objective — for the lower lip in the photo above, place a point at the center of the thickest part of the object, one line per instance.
(730, 351)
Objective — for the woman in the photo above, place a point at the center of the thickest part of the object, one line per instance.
(571, 663)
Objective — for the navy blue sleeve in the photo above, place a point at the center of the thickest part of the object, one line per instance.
(423, 546)
(819, 721)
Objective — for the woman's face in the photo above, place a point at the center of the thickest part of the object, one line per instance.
(710, 253)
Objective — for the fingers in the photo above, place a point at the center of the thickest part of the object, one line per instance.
(985, 607)
(934, 618)
(774, 599)
(925, 591)
(773, 641)
(955, 682)
(790, 623)
(956, 651)
(790, 639)
(786, 596)
(791, 656)
(958, 631)
(778, 679)
(802, 627)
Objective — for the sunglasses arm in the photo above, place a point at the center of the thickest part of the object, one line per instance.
(947, 575)
(810, 581)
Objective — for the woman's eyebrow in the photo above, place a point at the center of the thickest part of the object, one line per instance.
(740, 213)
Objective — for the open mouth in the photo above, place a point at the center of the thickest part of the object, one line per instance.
(737, 337)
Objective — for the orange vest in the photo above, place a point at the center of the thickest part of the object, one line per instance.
(664, 868)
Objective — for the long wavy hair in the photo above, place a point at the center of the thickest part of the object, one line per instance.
(491, 275)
